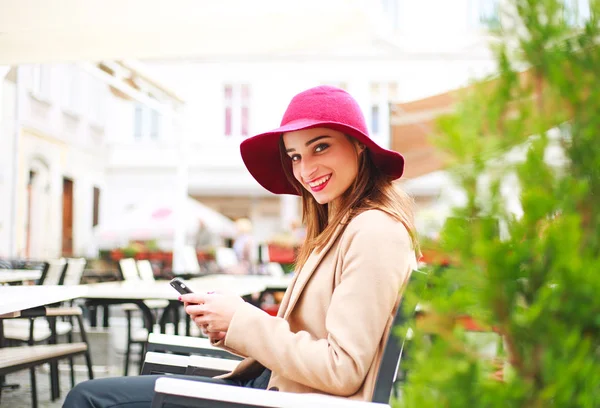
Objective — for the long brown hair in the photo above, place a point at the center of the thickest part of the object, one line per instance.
(371, 190)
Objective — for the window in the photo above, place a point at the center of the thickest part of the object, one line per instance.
(577, 12)
(381, 94)
(146, 123)
(245, 109)
(40, 82)
(377, 98)
(71, 89)
(237, 109)
(138, 122)
(375, 119)
(97, 99)
(154, 124)
(228, 110)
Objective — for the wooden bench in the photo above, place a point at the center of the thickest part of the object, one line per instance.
(28, 357)
(19, 358)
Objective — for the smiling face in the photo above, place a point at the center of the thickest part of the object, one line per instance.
(324, 161)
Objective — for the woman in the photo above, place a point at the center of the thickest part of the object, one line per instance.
(357, 257)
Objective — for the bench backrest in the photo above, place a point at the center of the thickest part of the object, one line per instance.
(55, 272)
(392, 354)
(74, 272)
(128, 269)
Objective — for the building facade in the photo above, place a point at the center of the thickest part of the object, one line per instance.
(59, 123)
(88, 144)
(412, 53)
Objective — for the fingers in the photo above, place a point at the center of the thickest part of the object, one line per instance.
(196, 298)
(217, 336)
(194, 309)
(202, 321)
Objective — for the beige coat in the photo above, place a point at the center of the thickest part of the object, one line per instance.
(335, 317)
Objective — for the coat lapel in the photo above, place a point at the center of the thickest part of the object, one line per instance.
(303, 276)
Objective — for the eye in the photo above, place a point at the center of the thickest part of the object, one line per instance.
(321, 147)
(295, 158)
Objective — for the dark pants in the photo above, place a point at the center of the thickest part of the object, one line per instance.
(137, 392)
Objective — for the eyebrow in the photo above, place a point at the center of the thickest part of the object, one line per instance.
(311, 141)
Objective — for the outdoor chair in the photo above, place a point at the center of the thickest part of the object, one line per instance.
(162, 363)
(194, 394)
(131, 273)
(28, 357)
(57, 320)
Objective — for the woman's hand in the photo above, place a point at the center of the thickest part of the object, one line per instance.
(212, 312)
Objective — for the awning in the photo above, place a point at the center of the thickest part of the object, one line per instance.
(413, 124)
(73, 30)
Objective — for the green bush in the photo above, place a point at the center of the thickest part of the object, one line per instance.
(536, 283)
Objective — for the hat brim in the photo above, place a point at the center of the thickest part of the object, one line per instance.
(261, 155)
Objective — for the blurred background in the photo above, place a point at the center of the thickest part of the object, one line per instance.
(121, 121)
(120, 126)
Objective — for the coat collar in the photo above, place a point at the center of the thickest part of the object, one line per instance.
(302, 277)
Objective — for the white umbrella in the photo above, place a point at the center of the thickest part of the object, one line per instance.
(155, 220)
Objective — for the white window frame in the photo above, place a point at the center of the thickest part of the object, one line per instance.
(72, 88)
(146, 126)
(237, 103)
(41, 82)
(97, 101)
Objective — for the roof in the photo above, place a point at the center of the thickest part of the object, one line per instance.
(413, 126)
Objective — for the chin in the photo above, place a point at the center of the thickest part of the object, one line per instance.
(323, 199)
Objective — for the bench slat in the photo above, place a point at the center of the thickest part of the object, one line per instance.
(17, 358)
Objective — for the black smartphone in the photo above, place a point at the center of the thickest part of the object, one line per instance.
(180, 286)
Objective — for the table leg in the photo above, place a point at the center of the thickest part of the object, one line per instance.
(93, 315)
(54, 374)
(147, 313)
(105, 316)
(3, 383)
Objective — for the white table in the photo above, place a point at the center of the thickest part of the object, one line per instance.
(19, 275)
(14, 299)
(136, 292)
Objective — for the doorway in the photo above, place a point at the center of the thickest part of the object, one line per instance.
(67, 218)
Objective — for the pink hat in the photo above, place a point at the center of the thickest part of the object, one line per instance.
(321, 106)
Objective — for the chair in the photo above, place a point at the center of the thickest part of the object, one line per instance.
(73, 272)
(226, 258)
(161, 363)
(145, 270)
(54, 273)
(130, 272)
(18, 358)
(170, 392)
(190, 261)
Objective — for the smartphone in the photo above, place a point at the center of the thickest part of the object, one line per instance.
(180, 286)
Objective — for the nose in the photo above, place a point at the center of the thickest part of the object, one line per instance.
(308, 169)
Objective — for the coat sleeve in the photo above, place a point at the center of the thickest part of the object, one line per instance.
(375, 263)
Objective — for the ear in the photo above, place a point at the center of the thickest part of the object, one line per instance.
(360, 146)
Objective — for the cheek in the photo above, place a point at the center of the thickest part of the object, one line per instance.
(296, 172)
